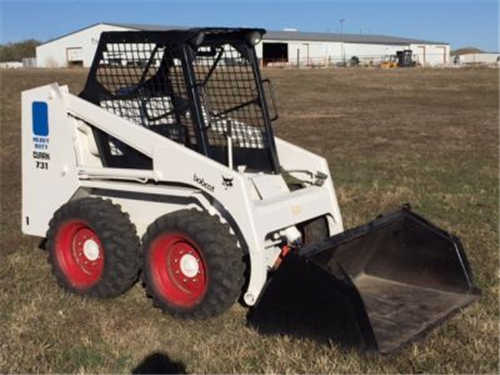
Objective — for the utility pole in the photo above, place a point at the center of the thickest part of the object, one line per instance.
(342, 20)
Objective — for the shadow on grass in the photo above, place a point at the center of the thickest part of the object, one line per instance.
(300, 304)
(159, 363)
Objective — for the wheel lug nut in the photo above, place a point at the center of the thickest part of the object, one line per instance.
(184, 280)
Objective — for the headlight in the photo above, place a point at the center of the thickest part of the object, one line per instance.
(254, 38)
(196, 41)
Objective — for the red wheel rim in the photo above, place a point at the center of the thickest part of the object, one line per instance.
(79, 254)
(178, 270)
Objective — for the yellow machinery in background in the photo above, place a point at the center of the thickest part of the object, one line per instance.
(402, 59)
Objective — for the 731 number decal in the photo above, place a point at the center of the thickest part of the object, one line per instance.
(42, 165)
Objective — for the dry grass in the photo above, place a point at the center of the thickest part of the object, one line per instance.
(429, 137)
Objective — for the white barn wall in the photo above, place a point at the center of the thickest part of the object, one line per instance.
(479, 58)
(54, 54)
(371, 52)
(431, 54)
(308, 52)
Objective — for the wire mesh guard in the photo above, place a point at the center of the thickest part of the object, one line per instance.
(146, 85)
(144, 92)
(230, 96)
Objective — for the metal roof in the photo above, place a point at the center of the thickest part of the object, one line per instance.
(301, 35)
(282, 35)
(347, 38)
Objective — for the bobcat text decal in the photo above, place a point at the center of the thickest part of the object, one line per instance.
(201, 181)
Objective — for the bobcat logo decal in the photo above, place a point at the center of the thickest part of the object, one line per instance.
(227, 182)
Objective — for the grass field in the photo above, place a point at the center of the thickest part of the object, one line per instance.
(428, 137)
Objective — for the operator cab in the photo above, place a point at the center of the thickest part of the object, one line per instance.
(199, 87)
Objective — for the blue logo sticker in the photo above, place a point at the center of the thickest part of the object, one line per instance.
(40, 118)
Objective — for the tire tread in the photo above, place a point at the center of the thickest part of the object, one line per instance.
(221, 253)
(118, 237)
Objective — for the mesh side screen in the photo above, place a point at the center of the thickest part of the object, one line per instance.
(229, 94)
(145, 84)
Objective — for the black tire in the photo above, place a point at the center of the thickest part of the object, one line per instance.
(93, 248)
(216, 272)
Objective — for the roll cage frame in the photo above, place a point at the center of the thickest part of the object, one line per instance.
(185, 47)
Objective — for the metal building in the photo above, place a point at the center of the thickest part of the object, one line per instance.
(278, 48)
(479, 59)
(306, 48)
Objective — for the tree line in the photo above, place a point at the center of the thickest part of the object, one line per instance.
(18, 51)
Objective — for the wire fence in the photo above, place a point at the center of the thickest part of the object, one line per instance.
(433, 60)
(354, 60)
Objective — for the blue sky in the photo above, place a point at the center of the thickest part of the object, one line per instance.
(460, 23)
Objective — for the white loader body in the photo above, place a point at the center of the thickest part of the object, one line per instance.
(61, 162)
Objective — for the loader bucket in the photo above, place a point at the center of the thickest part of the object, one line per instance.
(401, 274)
(375, 287)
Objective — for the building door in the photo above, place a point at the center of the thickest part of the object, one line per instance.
(74, 56)
(274, 52)
(444, 55)
(421, 55)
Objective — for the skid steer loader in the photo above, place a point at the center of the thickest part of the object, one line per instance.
(166, 166)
